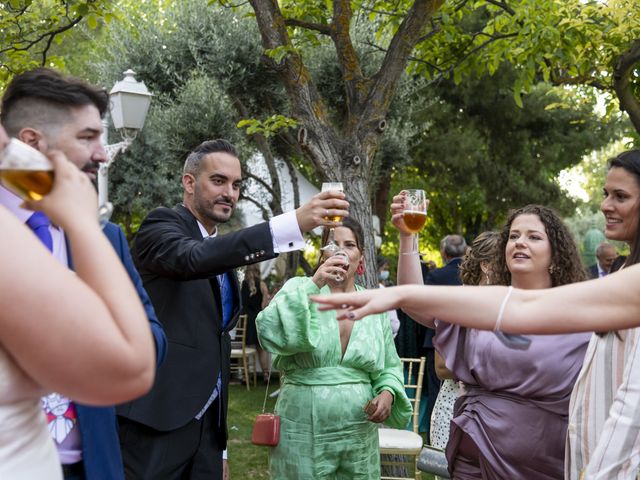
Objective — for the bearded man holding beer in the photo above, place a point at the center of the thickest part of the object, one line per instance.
(47, 110)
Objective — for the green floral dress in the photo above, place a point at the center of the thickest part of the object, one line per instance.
(324, 432)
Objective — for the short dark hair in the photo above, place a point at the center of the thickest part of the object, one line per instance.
(193, 163)
(41, 96)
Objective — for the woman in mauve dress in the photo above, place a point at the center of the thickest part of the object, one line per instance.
(512, 421)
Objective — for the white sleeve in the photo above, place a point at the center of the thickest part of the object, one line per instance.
(617, 454)
(286, 233)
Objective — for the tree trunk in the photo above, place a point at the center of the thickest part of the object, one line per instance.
(625, 65)
(345, 155)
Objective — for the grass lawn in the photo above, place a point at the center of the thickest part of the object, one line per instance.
(245, 459)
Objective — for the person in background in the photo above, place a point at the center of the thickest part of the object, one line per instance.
(535, 251)
(475, 269)
(339, 379)
(605, 398)
(48, 110)
(255, 296)
(452, 249)
(605, 255)
(179, 429)
(604, 416)
(83, 334)
(384, 281)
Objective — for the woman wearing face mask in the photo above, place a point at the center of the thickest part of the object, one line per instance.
(330, 371)
(383, 281)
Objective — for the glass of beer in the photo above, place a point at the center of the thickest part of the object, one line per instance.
(25, 171)
(415, 213)
(29, 174)
(331, 245)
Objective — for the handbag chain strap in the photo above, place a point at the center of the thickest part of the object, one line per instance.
(266, 392)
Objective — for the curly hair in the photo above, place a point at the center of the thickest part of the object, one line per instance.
(483, 249)
(566, 264)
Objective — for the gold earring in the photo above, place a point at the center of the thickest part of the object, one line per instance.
(551, 269)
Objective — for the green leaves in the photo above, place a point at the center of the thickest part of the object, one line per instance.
(34, 32)
(268, 127)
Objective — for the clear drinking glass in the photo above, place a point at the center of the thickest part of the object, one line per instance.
(415, 214)
(339, 276)
(331, 245)
(29, 174)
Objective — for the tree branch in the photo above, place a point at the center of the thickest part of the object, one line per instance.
(318, 27)
(354, 81)
(622, 85)
(503, 5)
(262, 183)
(402, 44)
(559, 79)
(266, 214)
(51, 34)
(307, 105)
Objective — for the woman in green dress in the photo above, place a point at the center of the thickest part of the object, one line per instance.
(330, 370)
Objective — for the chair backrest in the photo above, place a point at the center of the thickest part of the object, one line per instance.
(414, 374)
(240, 338)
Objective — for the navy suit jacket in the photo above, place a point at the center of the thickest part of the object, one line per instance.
(98, 426)
(447, 275)
(592, 271)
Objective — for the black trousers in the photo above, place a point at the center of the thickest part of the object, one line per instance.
(191, 452)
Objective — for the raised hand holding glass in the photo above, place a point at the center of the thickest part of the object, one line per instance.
(29, 174)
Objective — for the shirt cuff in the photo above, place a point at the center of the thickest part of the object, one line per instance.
(286, 233)
(224, 454)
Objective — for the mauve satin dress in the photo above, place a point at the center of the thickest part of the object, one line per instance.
(512, 422)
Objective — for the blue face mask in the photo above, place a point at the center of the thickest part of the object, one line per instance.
(383, 275)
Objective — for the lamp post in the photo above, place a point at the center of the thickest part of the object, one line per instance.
(129, 104)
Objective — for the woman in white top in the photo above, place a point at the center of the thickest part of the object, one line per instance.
(83, 334)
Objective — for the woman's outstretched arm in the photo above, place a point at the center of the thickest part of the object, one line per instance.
(609, 303)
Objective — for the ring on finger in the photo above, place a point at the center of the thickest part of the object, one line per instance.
(326, 213)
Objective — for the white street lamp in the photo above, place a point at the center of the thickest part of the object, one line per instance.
(129, 104)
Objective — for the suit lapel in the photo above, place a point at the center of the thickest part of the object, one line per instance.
(194, 231)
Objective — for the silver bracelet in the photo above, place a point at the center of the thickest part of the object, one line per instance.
(498, 324)
(409, 253)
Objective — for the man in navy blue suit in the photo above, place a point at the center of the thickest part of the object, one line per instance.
(452, 249)
(48, 111)
(605, 255)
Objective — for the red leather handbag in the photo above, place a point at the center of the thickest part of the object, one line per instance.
(266, 430)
